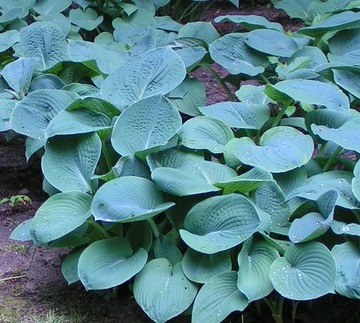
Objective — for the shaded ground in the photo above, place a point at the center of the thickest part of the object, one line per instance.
(38, 292)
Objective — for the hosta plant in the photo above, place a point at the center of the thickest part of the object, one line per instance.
(203, 207)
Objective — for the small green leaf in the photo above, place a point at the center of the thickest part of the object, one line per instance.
(162, 290)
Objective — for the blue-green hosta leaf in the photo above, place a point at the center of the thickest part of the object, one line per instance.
(69, 164)
(106, 60)
(108, 263)
(143, 240)
(86, 19)
(201, 30)
(73, 239)
(340, 228)
(271, 42)
(315, 92)
(131, 166)
(295, 8)
(246, 182)
(205, 133)
(44, 41)
(22, 231)
(347, 258)
(6, 108)
(250, 21)
(200, 268)
(218, 298)
(355, 183)
(69, 266)
(339, 21)
(251, 94)
(8, 38)
(59, 215)
(231, 52)
(344, 47)
(129, 199)
(32, 114)
(318, 184)
(238, 114)
(346, 136)
(192, 178)
(163, 247)
(348, 80)
(157, 71)
(32, 146)
(45, 7)
(46, 81)
(220, 223)
(281, 149)
(10, 10)
(307, 271)
(254, 262)
(162, 290)
(59, 20)
(145, 126)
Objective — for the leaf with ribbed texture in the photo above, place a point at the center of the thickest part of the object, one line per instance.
(59, 215)
(45, 7)
(231, 52)
(250, 21)
(128, 199)
(86, 19)
(59, 20)
(280, 149)
(307, 271)
(69, 266)
(157, 71)
(205, 133)
(214, 224)
(163, 247)
(191, 178)
(162, 290)
(145, 126)
(255, 259)
(68, 165)
(32, 114)
(46, 81)
(8, 38)
(44, 41)
(200, 268)
(10, 10)
(344, 47)
(22, 231)
(218, 298)
(238, 114)
(347, 258)
(201, 30)
(109, 262)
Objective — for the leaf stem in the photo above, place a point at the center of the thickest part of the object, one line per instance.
(12, 277)
(106, 154)
(279, 116)
(98, 228)
(154, 227)
(332, 158)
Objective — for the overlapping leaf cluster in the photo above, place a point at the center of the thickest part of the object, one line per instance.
(243, 199)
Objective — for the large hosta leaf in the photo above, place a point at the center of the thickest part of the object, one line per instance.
(68, 164)
(281, 149)
(348, 80)
(145, 126)
(307, 271)
(128, 198)
(32, 114)
(109, 262)
(344, 47)
(347, 258)
(86, 19)
(8, 38)
(59, 215)
(250, 21)
(162, 290)
(201, 30)
(254, 262)
(46, 7)
(44, 41)
(220, 223)
(218, 298)
(157, 71)
(295, 8)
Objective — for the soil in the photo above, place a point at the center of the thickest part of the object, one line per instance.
(39, 293)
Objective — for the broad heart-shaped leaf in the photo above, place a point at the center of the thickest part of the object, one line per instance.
(348, 80)
(346, 136)
(318, 184)
(18, 74)
(59, 215)
(355, 183)
(157, 71)
(281, 149)
(106, 60)
(201, 30)
(46, 7)
(295, 8)
(271, 42)
(218, 298)
(86, 19)
(192, 178)
(347, 258)
(128, 199)
(59, 20)
(231, 52)
(32, 114)
(220, 223)
(44, 41)
(22, 231)
(7, 39)
(162, 290)
(69, 162)
(145, 126)
(307, 271)
(109, 262)
(205, 133)
(200, 268)
(344, 46)
(254, 262)
(238, 114)
(315, 92)
(314, 224)
(250, 21)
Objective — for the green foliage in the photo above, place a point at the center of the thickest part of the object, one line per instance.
(16, 200)
(212, 207)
